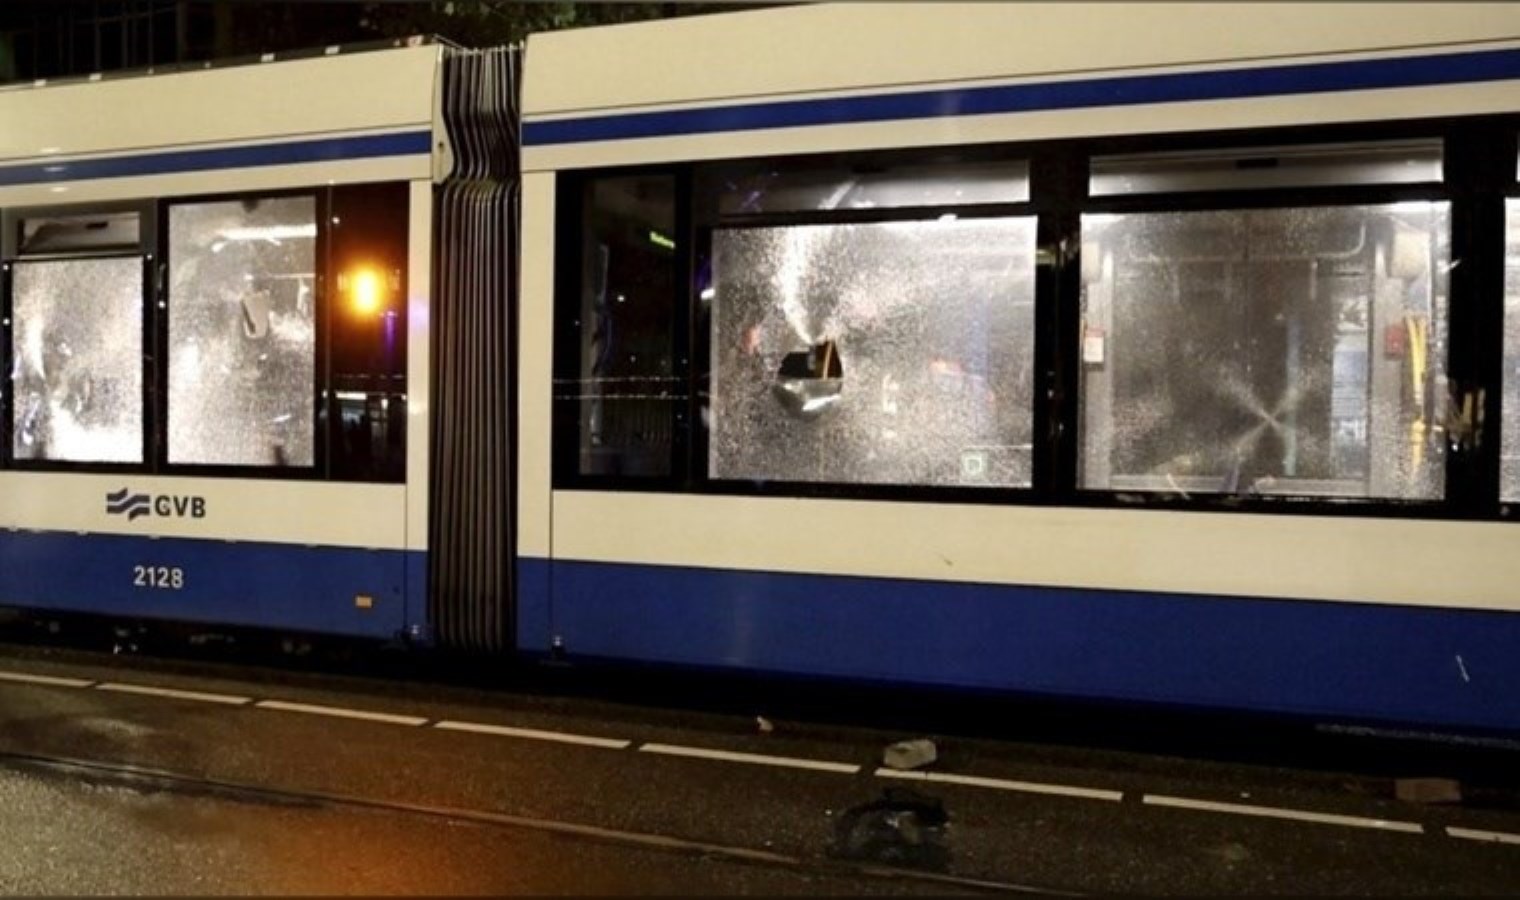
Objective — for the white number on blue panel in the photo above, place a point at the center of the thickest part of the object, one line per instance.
(169, 578)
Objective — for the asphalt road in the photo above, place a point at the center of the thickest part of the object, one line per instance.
(93, 835)
(124, 776)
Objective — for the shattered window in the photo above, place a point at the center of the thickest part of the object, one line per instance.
(242, 332)
(1509, 470)
(884, 353)
(78, 365)
(1278, 351)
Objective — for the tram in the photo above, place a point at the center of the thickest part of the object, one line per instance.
(1159, 353)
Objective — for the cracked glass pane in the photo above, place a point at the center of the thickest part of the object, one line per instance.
(1286, 351)
(888, 353)
(78, 360)
(242, 332)
(1509, 471)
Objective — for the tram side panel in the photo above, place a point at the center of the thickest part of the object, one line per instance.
(781, 538)
(212, 330)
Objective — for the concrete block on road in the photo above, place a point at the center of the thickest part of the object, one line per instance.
(910, 754)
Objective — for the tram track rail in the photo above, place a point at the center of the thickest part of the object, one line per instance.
(144, 778)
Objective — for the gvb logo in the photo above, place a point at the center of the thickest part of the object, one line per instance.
(126, 503)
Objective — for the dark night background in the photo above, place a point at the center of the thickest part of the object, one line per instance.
(78, 37)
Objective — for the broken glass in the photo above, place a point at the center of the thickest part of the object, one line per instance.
(242, 332)
(1279, 351)
(78, 366)
(885, 353)
(1509, 470)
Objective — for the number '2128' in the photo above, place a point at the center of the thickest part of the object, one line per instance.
(170, 578)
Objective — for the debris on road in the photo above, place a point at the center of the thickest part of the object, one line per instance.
(910, 754)
(904, 828)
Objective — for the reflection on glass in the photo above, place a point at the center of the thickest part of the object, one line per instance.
(242, 337)
(1290, 351)
(78, 360)
(890, 353)
(626, 392)
(1509, 469)
(748, 190)
(1391, 162)
(45, 234)
(367, 333)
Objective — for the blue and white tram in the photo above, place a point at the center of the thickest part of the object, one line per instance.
(216, 322)
(1114, 351)
(1160, 353)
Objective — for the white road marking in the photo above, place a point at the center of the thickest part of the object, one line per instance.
(1272, 812)
(1474, 834)
(1000, 784)
(767, 760)
(49, 680)
(147, 690)
(759, 759)
(534, 734)
(341, 713)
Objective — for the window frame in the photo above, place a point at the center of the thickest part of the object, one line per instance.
(702, 351)
(694, 236)
(707, 220)
(153, 234)
(565, 436)
(317, 471)
(1252, 200)
(1505, 153)
(329, 405)
(1507, 508)
(1468, 348)
(1478, 174)
(11, 220)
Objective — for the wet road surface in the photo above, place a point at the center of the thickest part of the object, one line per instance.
(73, 834)
(126, 778)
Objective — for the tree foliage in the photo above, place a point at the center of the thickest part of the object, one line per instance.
(73, 37)
(481, 23)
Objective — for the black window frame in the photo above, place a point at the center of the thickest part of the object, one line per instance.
(692, 345)
(1253, 199)
(157, 307)
(12, 220)
(565, 440)
(318, 469)
(376, 384)
(1503, 165)
(1475, 150)
(705, 221)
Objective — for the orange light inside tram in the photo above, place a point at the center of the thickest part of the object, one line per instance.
(366, 291)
